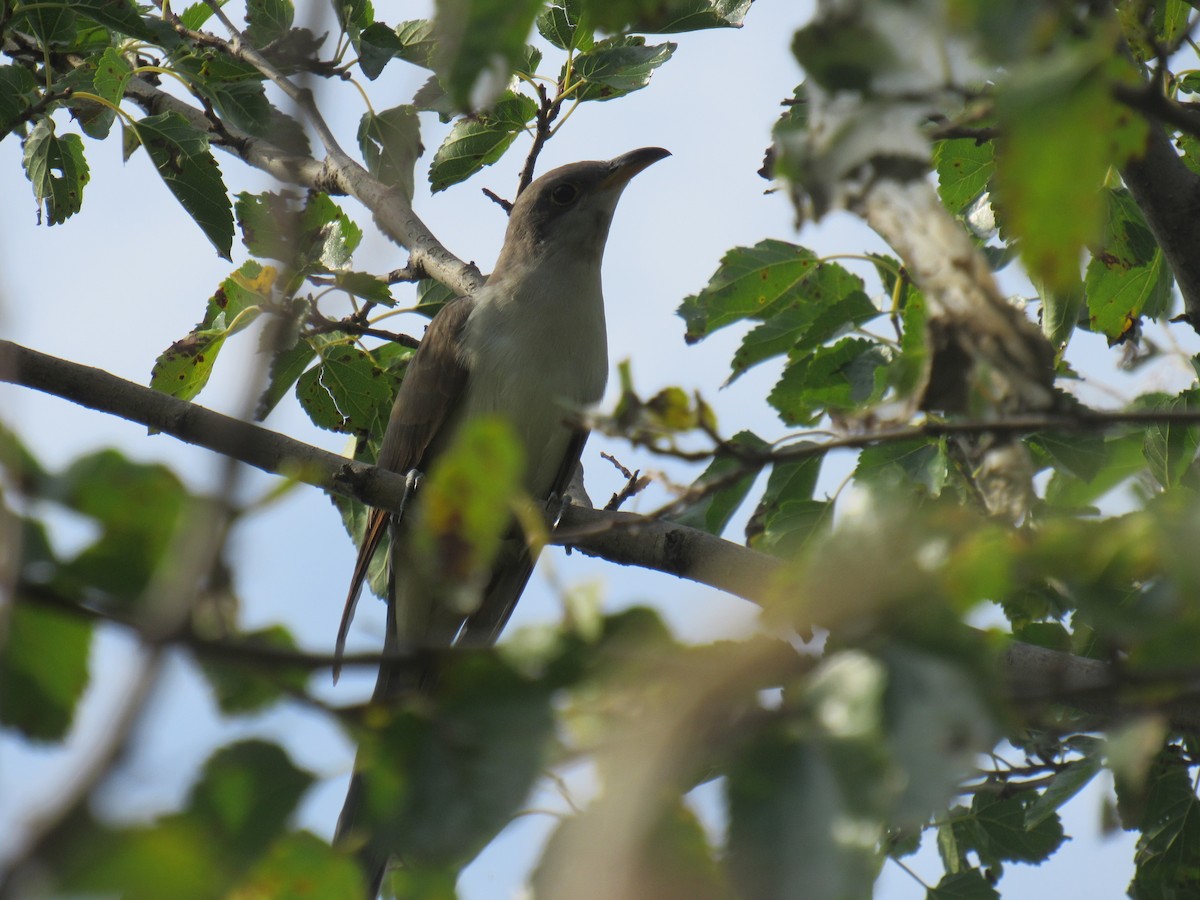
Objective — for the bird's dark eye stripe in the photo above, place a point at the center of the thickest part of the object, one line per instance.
(563, 194)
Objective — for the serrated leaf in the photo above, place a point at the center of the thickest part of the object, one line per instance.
(665, 16)
(1002, 833)
(479, 43)
(365, 285)
(617, 66)
(183, 369)
(1168, 849)
(846, 375)
(44, 665)
(57, 170)
(391, 142)
(964, 167)
(788, 515)
(119, 15)
(561, 23)
(478, 141)
(346, 391)
(714, 511)
(268, 20)
(112, 74)
(417, 42)
(180, 154)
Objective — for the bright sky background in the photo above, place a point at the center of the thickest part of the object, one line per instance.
(119, 282)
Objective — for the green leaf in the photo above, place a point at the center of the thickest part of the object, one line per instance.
(617, 66)
(784, 796)
(1123, 458)
(316, 238)
(346, 392)
(478, 141)
(57, 170)
(139, 508)
(1170, 448)
(843, 54)
(1168, 849)
(1083, 455)
(303, 865)
(377, 46)
(286, 367)
(1065, 784)
(18, 90)
(967, 885)
(43, 670)
(242, 689)
(243, 104)
(849, 374)
(921, 462)
(417, 42)
(112, 74)
(268, 20)
(713, 512)
(246, 794)
(50, 23)
(180, 154)
(562, 24)
(1060, 312)
(442, 781)
(1050, 165)
(119, 15)
(183, 369)
(665, 16)
(391, 142)
(365, 285)
(751, 282)
(1127, 276)
(479, 43)
(787, 515)
(1002, 833)
(964, 167)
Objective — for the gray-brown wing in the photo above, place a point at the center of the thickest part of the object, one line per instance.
(515, 566)
(430, 392)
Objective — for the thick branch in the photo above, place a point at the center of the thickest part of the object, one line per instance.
(1035, 674)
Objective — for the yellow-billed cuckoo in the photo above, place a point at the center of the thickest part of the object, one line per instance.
(529, 346)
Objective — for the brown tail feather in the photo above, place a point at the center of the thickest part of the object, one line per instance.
(377, 526)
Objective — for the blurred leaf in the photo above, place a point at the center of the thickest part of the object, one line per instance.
(241, 688)
(301, 865)
(440, 784)
(180, 154)
(1123, 459)
(18, 90)
(317, 237)
(1081, 454)
(56, 168)
(617, 66)
(1060, 312)
(346, 391)
(43, 670)
(967, 885)
(479, 43)
(713, 512)
(391, 142)
(246, 793)
(139, 508)
(842, 53)
(783, 796)
(846, 375)
(1050, 166)
(964, 167)
(1168, 849)
(478, 141)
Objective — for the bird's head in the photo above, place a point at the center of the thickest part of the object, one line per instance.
(568, 210)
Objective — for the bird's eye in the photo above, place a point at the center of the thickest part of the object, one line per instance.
(564, 194)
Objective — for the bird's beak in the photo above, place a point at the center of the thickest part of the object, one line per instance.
(629, 164)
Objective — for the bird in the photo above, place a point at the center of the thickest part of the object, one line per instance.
(530, 346)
